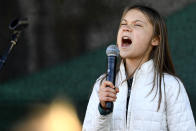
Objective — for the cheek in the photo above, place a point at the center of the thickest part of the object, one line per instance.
(143, 37)
(118, 37)
(142, 42)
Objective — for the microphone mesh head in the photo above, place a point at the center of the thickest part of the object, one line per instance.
(112, 50)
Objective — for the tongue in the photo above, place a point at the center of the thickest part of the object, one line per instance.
(125, 44)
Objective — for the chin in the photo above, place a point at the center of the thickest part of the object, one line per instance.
(124, 56)
(127, 56)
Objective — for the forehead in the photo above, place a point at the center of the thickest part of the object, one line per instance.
(135, 14)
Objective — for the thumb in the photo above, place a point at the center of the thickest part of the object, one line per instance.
(117, 89)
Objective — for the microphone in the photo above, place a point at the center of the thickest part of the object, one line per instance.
(16, 27)
(18, 24)
(112, 52)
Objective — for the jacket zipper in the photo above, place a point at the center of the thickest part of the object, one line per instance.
(129, 114)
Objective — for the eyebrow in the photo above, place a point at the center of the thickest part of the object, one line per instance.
(134, 21)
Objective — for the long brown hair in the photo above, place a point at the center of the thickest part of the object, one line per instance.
(160, 53)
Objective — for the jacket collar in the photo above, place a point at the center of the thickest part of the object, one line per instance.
(146, 67)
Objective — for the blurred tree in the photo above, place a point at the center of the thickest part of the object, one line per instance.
(42, 49)
(29, 9)
(62, 29)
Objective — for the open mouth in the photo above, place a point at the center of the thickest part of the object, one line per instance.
(126, 41)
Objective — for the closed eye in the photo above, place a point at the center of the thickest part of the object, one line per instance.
(123, 24)
(138, 25)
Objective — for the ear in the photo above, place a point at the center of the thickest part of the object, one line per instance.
(155, 41)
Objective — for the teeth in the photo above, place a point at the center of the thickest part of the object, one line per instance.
(125, 37)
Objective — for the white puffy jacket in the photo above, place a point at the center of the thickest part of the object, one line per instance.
(175, 112)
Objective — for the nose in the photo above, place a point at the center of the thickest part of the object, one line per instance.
(127, 29)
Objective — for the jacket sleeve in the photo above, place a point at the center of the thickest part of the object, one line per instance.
(93, 120)
(179, 113)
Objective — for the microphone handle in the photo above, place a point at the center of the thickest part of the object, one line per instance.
(111, 76)
(5, 55)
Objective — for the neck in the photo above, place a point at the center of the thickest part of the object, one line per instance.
(132, 64)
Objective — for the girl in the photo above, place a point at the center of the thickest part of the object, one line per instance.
(148, 96)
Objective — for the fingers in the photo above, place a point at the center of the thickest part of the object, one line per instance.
(107, 94)
(108, 89)
(108, 83)
(105, 85)
(117, 89)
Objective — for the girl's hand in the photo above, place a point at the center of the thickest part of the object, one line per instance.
(107, 93)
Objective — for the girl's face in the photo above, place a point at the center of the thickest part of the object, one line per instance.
(134, 37)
